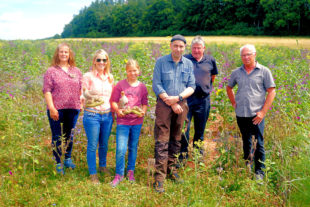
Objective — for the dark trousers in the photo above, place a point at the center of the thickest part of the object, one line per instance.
(199, 109)
(167, 132)
(68, 119)
(248, 129)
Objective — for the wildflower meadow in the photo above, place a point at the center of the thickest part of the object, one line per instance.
(27, 172)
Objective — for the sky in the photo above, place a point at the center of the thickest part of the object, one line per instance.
(36, 19)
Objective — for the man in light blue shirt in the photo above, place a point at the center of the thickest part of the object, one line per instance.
(173, 82)
(251, 104)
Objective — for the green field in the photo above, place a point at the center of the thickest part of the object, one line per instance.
(28, 176)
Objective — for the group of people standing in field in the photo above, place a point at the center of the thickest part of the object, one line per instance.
(182, 85)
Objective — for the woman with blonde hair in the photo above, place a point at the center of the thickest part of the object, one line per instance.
(97, 120)
(62, 89)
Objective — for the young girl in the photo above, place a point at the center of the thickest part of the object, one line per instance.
(98, 120)
(129, 100)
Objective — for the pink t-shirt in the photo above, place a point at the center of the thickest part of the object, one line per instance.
(100, 85)
(137, 96)
(64, 87)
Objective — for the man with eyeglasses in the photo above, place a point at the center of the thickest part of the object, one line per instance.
(255, 94)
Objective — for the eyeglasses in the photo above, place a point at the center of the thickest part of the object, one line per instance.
(103, 60)
(247, 55)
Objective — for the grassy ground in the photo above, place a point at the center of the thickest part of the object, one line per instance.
(27, 172)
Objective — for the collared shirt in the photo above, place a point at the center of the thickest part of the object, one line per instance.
(251, 93)
(65, 87)
(100, 85)
(203, 71)
(172, 78)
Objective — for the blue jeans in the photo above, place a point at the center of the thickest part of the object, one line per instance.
(126, 135)
(68, 119)
(199, 109)
(247, 129)
(98, 128)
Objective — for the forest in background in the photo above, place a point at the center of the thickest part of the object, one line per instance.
(117, 18)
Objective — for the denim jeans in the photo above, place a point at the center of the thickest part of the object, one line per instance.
(247, 129)
(199, 109)
(98, 128)
(126, 135)
(63, 128)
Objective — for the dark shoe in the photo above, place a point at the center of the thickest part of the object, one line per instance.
(158, 187)
(59, 169)
(69, 164)
(176, 178)
(94, 179)
(104, 170)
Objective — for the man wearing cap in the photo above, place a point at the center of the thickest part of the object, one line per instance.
(173, 82)
(205, 70)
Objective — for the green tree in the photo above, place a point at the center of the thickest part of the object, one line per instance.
(285, 17)
(159, 16)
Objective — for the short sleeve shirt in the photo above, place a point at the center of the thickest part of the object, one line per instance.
(203, 71)
(251, 93)
(137, 96)
(65, 87)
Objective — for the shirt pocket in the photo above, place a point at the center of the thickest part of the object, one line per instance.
(167, 80)
(167, 76)
(256, 81)
(185, 74)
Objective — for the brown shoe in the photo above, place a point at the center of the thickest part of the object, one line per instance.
(94, 179)
(104, 170)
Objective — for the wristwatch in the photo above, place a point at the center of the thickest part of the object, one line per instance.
(180, 98)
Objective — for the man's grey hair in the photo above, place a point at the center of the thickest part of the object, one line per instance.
(249, 46)
(198, 40)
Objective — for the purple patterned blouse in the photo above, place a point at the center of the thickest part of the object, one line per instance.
(64, 87)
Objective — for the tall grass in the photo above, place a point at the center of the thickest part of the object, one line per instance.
(28, 176)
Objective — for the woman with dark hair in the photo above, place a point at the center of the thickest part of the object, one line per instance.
(62, 89)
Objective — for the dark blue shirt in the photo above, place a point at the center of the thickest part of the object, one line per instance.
(203, 71)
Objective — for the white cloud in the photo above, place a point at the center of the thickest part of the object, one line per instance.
(10, 17)
(19, 26)
(37, 19)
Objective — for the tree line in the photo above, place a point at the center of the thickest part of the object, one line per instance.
(110, 18)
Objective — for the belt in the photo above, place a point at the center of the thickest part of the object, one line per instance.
(97, 112)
